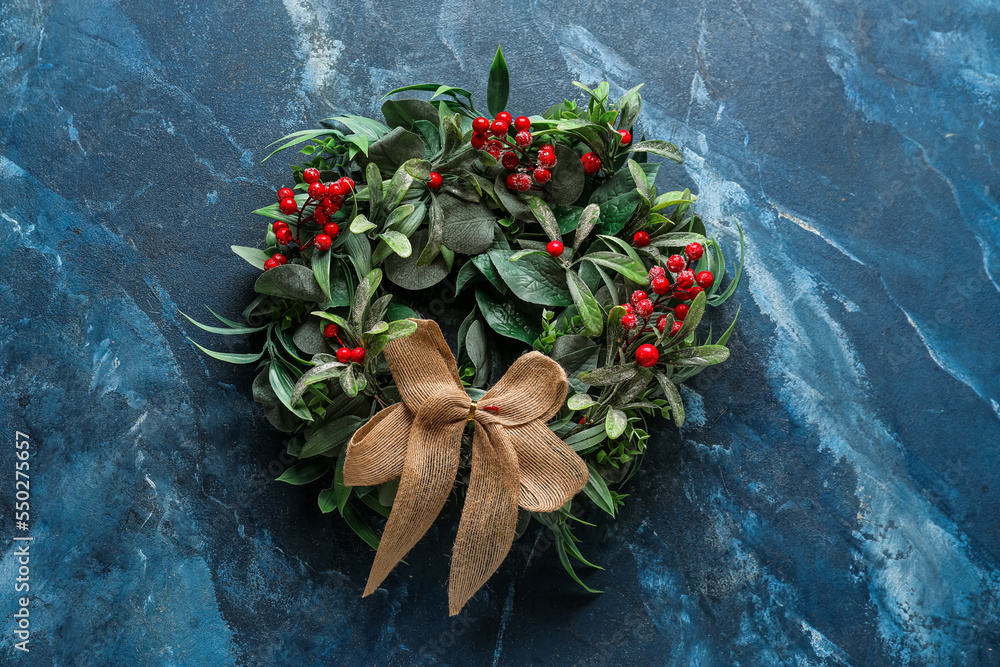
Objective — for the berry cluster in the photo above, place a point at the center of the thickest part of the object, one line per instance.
(514, 154)
(344, 353)
(640, 310)
(322, 204)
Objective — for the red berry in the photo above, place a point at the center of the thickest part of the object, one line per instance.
(547, 147)
(641, 239)
(637, 296)
(554, 248)
(676, 263)
(322, 242)
(498, 128)
(656, 272)
(628, 308)
(644, 308)
(331, 204)
(661, 323)
(685, 279)
(522, 123)
(519, 182)
(695, 291)
(505, 117)
(510, 160)
(288, 206)
(676, 327)
(436, 181)
(317, 190)
(480, 124)
(284, 236)
(629, 321)
(681, 295)
(647, 355)
(681, 311)
(270, 263)
(320, 216)
(310, 175)
(279, 258)
(278, 224)
(285, 193)
(358, 355)
(694, 251)
(344, 355)
(331, 229)
(347, 183)
(523, 139)
(546, 158)
(331, 330)
(626, 137)
(542, 175)
(705, 279)
(478, 140)
(336, 189)
(661, 285)
(591, 163)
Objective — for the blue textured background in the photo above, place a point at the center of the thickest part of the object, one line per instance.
(834, 496)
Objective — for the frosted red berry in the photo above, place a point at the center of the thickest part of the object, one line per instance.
(694, 251)
(270, 263)
(591, 163)
(546, 159)
(331, 204)
(320, 216)
(555, 248)
(676, 263)
(695, 291)
(331, 229)
(628, 308)
(661, 285)
(705, 279)
(358, 355)
(541, 175)
(656, 272)
(681, 311)
(284, 236)
(336, 189)
(505, 117)
(644, 308)
(279, 258)
(685, 279)
(347, 183)
(344, 355)
(436, 180)
(676, 327)
(331, 330)
(288, 206)
(310, 175)
(510, 160)
(626, 137)
(522, 123)
(661, 323)
(317, 190)
(498, 128)
(523, 139)
(478, 140)
(637, 296)
(647, 355)
(519, 182)
(322, 242)
(285, 193)
(481, 124)
(640, 239)
(629, 321)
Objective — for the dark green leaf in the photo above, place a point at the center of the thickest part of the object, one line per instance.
(567, 176)
(704, 355)
(280, 417)
(586, 304)
(229, 356)
(533, 278)
(408, 274)
(395, 148)
(305, 472)
(402, 113)
(498, 85)
(587, 438)
(290, 281)
(366, 289)
(360, 527)
(597, 490)
(608, 375)
(662, 148)
(435, 234)
(467, 228)
(628, 267)
(509, 318)
(543, 214)
(589, 217)
(332, 436)
(673, 398)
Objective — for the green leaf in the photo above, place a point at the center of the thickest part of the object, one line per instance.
(296, 138)
(615, 423)
(341, 493)
(359, 250)
(639, 178)
(253, 255)
(543, 214)
(305, 472)
(597, 490)
(402, 113)
(628, 267)
(290, 281)
(400, 328)
(230, 357)
(350, 382)
(580, 401)
(276, 413)
(398, 187)
(395, 148)
(409, 274)
(435, 234)
(399, 243)
(283, 386)
(226, 331)
(524, 253)
(677, 239)
(512, 202)
(695, 312)
(318, 373)
(361, 224)
(661, 148)
(418, 169)
(476, 348)
(467, 227)
(608, 375)
(673, 397)
(533, 278)
(509, 318)
(361, 125)
(373, 177)
(586, 304)
(625, 247)
(673, 198)
(366, 289)
(703, 355)
(587, 438)
(332, 436)
(561, 547)
(589, 217)
(498, 85)
(568, 178)
(336, 319)
(618, 198)
(320, 264)
(360, 527)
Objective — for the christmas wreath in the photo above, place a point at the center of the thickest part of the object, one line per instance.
(552, 229)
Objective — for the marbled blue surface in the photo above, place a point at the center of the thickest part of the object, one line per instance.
(833, 499)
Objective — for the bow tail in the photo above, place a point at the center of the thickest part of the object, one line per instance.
(489, 518)
(429, 471)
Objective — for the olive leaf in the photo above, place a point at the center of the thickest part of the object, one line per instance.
(363, 294)
(589, 217)
(703, 355)
(608, 375)
(661, 148)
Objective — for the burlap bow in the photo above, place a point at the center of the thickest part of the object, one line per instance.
(516, 459)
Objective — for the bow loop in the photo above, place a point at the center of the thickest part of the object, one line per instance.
(516, 459)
